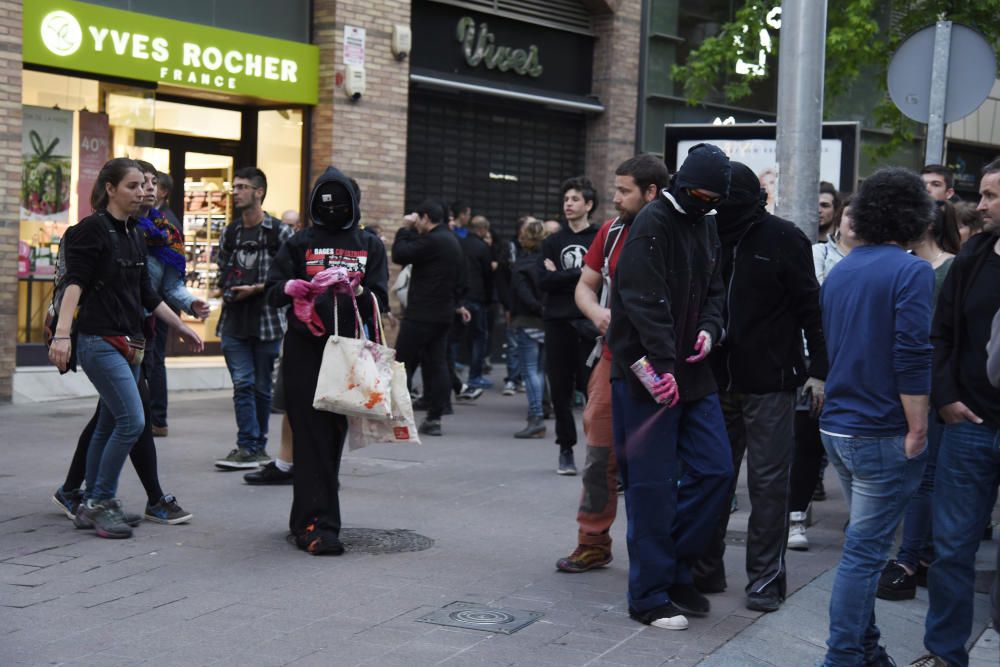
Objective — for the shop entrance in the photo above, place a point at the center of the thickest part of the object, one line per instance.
(504, 160)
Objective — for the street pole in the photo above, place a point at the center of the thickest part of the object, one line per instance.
(939, 93)
(801, 61)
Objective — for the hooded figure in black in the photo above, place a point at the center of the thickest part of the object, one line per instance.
(772, 297)
(333, 240)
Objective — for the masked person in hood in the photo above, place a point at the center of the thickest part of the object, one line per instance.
(333, 241)
(670, 439)
(771, 297)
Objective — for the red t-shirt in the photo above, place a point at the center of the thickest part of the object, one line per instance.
(595, 254)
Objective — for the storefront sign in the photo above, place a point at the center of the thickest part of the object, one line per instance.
(90, 38)
(354, 45)
(93, 138)
(486, 49)
(480, 48)
(47, 147)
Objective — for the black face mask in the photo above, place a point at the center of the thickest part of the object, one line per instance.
(693, 207)
(333, 206)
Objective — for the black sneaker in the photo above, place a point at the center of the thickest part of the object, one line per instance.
(270, 474)
(667, 616)
(105, 517)
(469, 393)
(319, 542)
(68, 501)
(242, 459)
(167, 511)
(567, 466)
(688, 600)
(421, 404)
(765, 601)
(430, 427)
(895, 584)
(711, 583)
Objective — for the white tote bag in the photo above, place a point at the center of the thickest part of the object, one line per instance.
(355, 378)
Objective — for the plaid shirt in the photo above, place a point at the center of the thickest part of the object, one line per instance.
(272, 320)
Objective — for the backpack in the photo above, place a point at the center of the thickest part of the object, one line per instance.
(229, 235)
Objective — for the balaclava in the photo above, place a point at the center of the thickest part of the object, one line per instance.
(706, 167)
(744, 205)
(333, 206)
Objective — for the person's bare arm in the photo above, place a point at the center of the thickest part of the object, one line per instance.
(587, 289)
(61, 348)
(916, 408)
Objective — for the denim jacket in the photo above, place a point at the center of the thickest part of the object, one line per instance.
(168, 284)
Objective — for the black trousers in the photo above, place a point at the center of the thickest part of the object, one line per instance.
(426, 343)
(566, 353)
(762, 427)
(155, 368)
(317, 438)
(807, 463)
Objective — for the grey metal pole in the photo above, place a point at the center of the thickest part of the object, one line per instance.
(801, 66)
(939, 93)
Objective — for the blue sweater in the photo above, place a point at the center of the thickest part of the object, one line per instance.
(877, 306)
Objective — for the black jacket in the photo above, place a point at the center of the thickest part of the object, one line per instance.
(320, 247)
(114, 293)
(667, 287)
(949, 383)
(479, 269)
(771, 297)
(438, 280)
(526, 294)
(566, 249)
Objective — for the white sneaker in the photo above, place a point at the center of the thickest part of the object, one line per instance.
(797, 539)
(671, 623)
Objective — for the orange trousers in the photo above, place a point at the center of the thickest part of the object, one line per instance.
(599, 501)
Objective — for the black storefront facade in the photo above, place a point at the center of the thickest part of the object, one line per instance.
(499, 109)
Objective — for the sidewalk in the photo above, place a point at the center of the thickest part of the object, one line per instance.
(228, 589)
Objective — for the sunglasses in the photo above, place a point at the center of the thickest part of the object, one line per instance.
(703, 196)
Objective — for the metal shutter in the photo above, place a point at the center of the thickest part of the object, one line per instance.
(564, 14)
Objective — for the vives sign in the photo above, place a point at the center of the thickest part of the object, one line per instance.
(480, 48)
(89, 38)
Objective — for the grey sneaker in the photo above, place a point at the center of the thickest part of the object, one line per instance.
(105, 517)
(567, 466)
(167, 511)
(509, 388)
(242, 459)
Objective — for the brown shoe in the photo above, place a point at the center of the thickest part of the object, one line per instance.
(159, 431)
(586, 557)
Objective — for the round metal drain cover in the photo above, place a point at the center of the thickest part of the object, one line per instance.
(376, 541)
(481, 616)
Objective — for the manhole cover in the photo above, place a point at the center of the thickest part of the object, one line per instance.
(375, 541)
(474, 616)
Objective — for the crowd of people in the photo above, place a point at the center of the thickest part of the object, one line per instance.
(696, 329)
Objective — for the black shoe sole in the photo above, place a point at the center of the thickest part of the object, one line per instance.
(894, 595)
(766, 607)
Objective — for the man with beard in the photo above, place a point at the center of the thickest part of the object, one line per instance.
(829, 202)
(968, 466)
(250, 329)
(670, 438)
(638, 181)
(771, 297)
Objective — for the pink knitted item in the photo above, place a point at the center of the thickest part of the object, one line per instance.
(304, 294)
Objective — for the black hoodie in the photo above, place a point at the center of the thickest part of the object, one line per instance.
(319, 247)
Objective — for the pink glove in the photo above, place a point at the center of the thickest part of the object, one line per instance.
(665, 391)
(298, 289)
(701, 347)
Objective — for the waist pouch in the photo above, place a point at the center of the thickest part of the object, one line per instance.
(133, 349)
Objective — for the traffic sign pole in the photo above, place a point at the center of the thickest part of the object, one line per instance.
(939, 93)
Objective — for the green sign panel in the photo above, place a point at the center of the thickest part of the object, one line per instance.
(89, 38)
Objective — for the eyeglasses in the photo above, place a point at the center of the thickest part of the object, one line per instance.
(243, 186)
(704, 196)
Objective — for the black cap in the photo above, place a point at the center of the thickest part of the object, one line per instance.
(706, 167)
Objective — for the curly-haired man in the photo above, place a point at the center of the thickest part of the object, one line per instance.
(877, 319)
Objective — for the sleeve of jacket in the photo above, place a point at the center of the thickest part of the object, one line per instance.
(911, 350)
(282, 270)
(645, 297)
(150, 297)
(803, 290)
(84, 252)
(376, 280)
(174, 291)
(524, 288)
(993, 353)
(560, 279)
(224, 257)
(710, 315)
(410, 246)
(944, 389)
(461, 280)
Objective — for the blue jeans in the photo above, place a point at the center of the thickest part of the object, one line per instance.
(878, 481)
(513, 356)
(917, 545)
(676, 467)
(530, 352)
(251, 364)
(967, 476)
(121, 419)
(478, 337)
